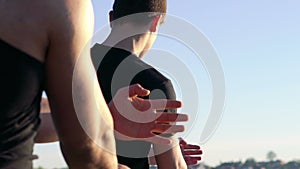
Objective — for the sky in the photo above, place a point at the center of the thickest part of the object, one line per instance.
(258, 45)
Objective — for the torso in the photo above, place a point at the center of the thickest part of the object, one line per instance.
(22, 79)
(23, 47)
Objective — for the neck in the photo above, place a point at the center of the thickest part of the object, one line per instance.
(121, 39)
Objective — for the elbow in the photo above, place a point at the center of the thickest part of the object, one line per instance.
(89, 157)
(90, 153)
(182, 166)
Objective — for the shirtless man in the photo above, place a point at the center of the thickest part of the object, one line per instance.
(40, 44)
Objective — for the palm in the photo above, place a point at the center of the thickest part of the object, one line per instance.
(136, 118)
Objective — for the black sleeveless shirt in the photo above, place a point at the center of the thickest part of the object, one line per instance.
(21, 86)
(117, 68)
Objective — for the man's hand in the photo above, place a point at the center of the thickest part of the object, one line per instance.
(191, 153)
(136, 118)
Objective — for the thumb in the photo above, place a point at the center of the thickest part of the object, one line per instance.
(138, 90)
(182, 141)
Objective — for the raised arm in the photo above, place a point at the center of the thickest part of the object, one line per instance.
(81, 131)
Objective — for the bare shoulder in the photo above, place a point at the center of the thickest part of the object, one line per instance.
(25, 24)
(34, 25)
(71, 24)
(64, 15)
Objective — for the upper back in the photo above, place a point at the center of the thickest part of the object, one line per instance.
(24, 24)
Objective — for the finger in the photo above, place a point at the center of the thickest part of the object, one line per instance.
(190, 158)
(171, 117)
(190, 161)
(192, 152)
(190, 146)
(138, 90)
(162, 104)
(166, 128)
(140, 104)
(156, 139)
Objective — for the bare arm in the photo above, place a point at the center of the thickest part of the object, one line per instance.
(191, 153)
(82, 130)
(129, 130)
(169, 156)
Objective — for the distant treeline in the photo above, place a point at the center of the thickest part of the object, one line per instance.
(248, 164)
(252, 164)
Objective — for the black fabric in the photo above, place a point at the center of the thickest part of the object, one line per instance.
(21, 84)
(117, 68)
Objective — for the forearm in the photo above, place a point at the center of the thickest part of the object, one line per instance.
(86, 134)
(169, 156)
(92, 155)
(47, 133)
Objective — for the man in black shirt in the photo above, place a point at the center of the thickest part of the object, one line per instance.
(118, 64)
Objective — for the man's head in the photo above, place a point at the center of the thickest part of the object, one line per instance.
(122, 8)
(142, 17)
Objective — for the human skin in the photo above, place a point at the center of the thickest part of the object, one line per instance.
(55, 32)
(125, 129)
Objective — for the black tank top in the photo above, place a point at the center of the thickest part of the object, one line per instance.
(21, 87)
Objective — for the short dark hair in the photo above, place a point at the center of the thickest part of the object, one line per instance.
(123, 8)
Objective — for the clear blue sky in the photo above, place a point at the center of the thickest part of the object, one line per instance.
(258, 43)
